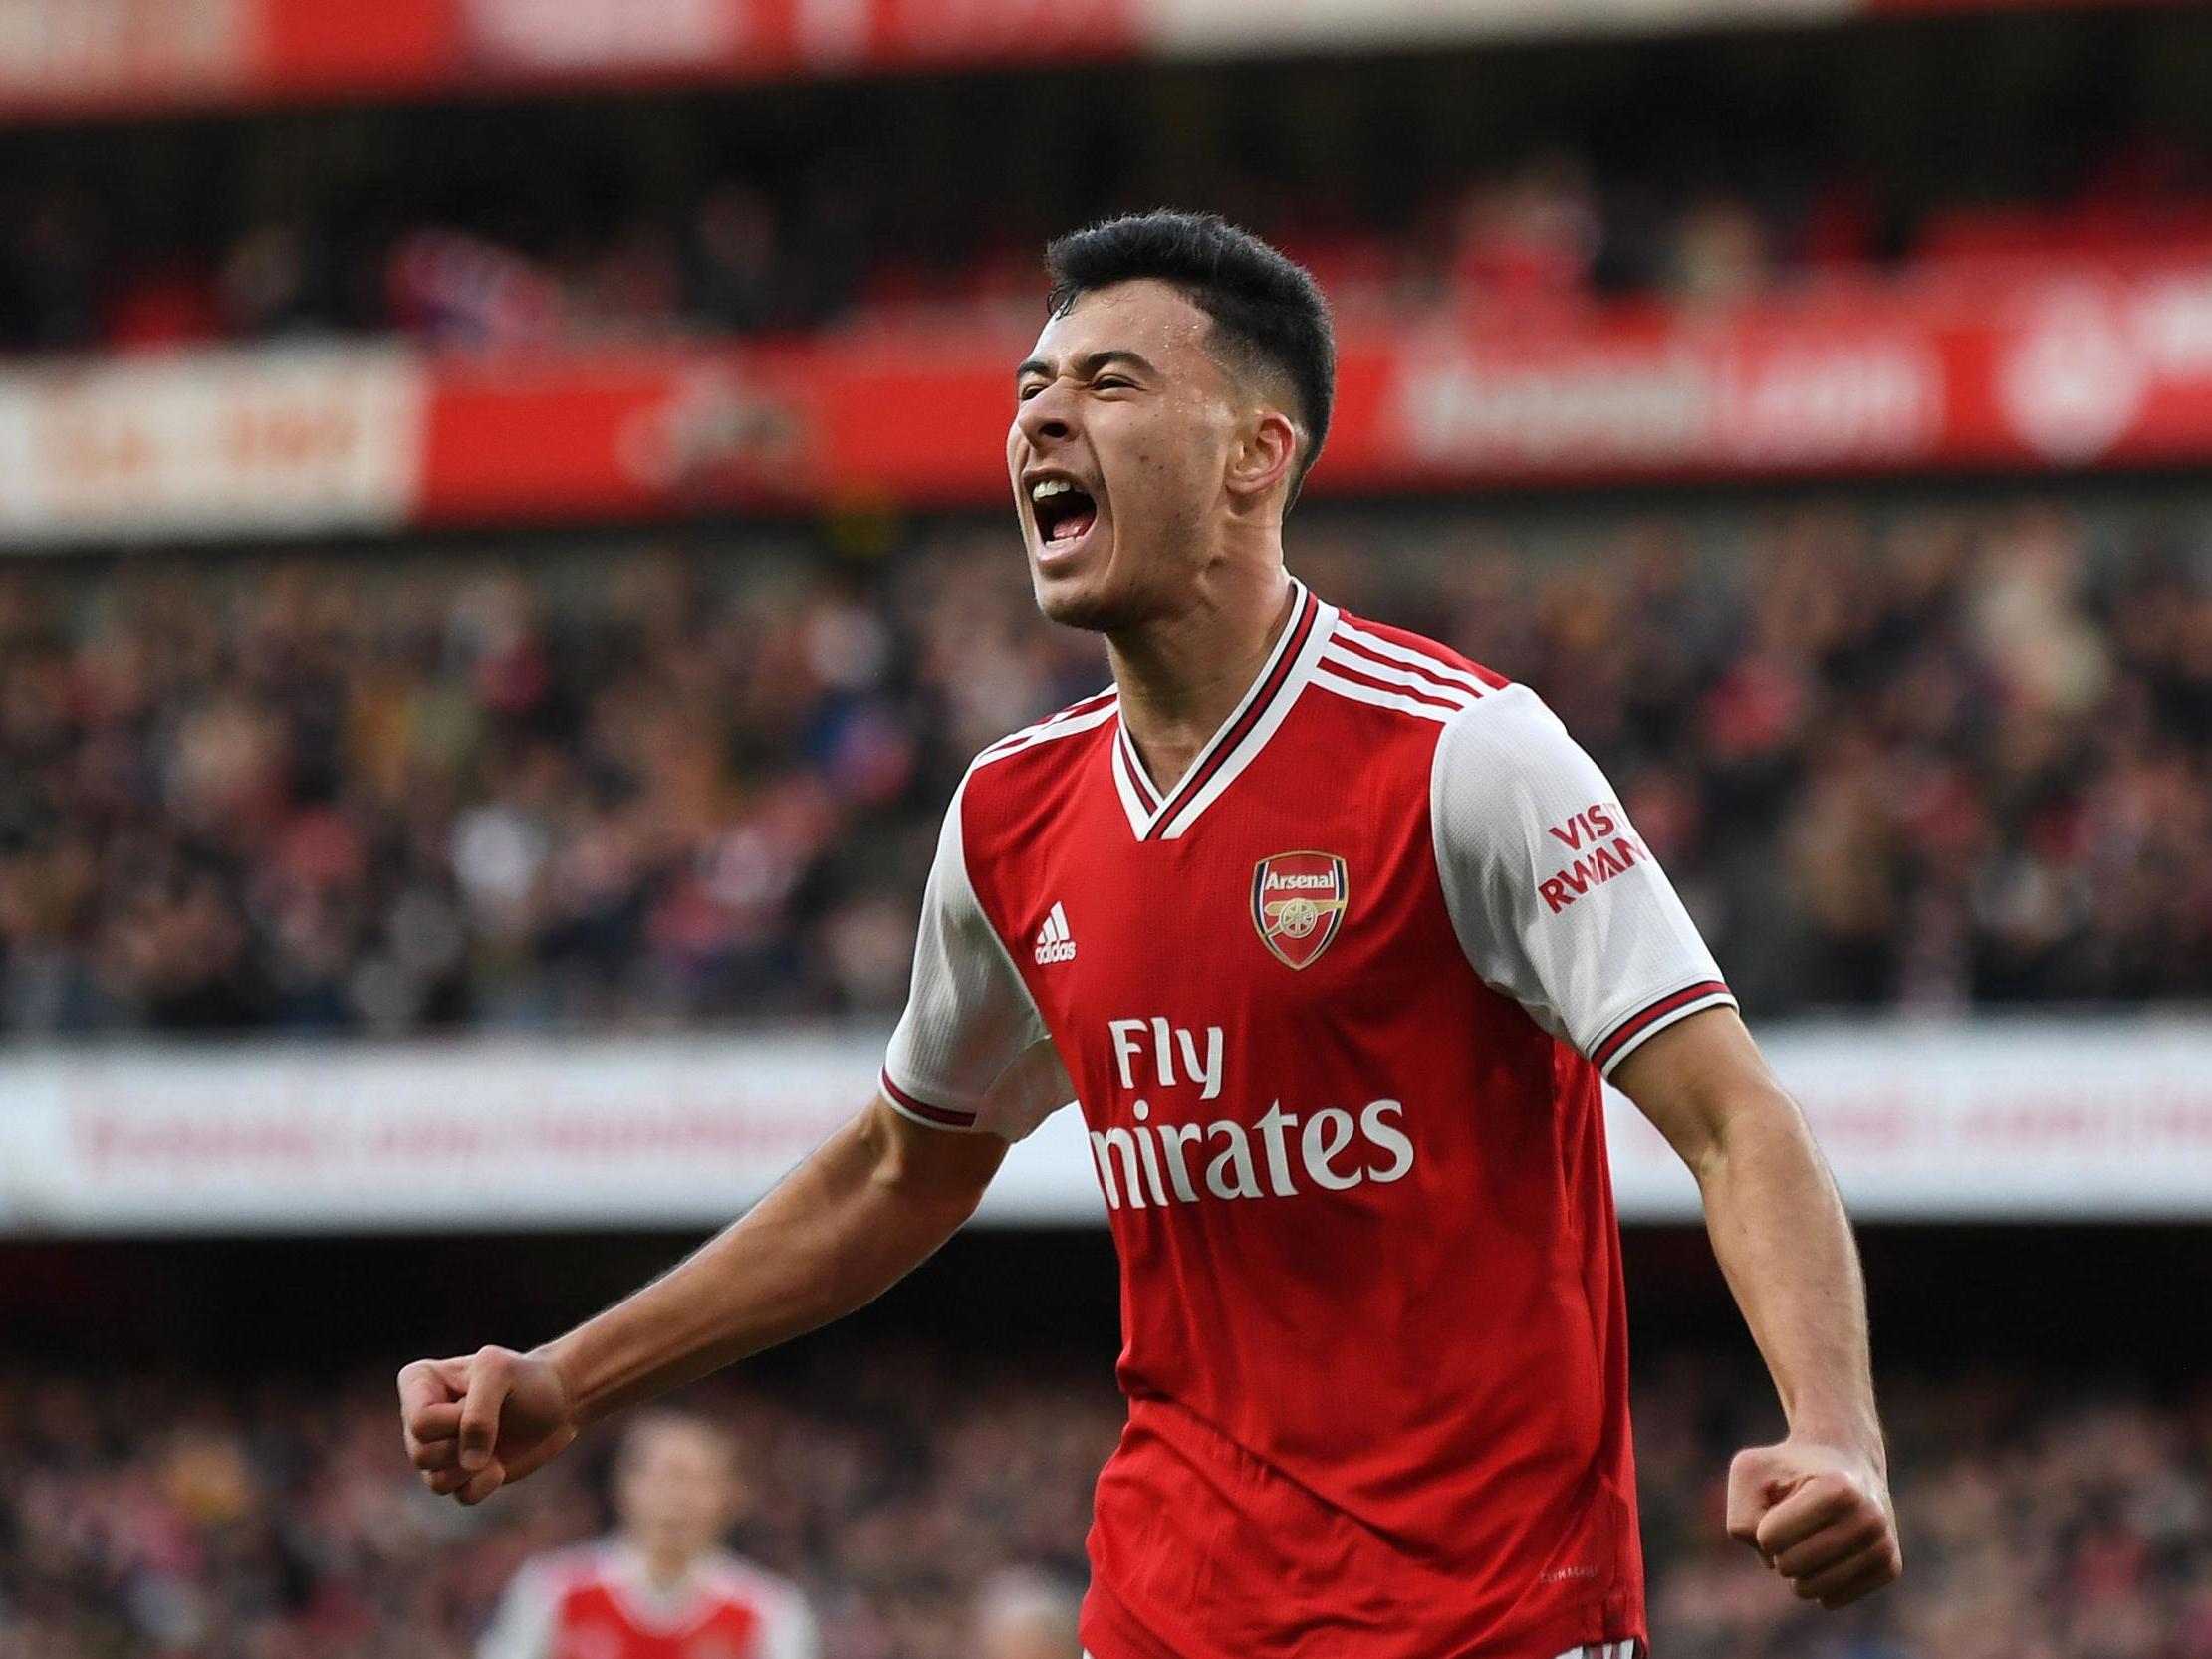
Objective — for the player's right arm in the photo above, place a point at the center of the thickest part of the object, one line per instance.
(866, 1208)
(967, 1071)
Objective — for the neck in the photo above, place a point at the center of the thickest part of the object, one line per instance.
(664, 1569)
(1180, 677)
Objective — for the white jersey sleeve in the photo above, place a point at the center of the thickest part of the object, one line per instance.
(789, 1630)
(1556, 901)
(787, 1627)
(971, 1051)
(523, 1626)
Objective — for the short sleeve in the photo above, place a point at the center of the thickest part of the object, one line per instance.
(971, 1050)
(789, 1631)
(523, 1627)
(1556, 900)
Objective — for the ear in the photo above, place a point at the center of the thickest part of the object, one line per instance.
(1265, 452)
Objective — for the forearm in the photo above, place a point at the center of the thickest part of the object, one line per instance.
(842, 1228)
(1779, 1230)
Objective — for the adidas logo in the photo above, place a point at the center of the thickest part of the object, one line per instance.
(1054, 942)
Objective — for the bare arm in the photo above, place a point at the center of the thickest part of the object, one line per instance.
(872, 1203)
(1817, 1506)
(869, 1205)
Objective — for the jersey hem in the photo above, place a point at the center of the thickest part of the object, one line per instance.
(1630, 1032)
(1111, 1631)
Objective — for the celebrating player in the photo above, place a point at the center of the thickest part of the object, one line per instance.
(1330, 934)
(662, 1587)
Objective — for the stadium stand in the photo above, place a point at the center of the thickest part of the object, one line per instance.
(1934, 756)
(165, 1515)
(466, 770)
(1692, 172)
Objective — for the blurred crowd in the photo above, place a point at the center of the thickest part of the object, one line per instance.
(71, 280)
(1926, 757)
(736, 261)
(160, 1518)
(506, 237)
(146, 1517)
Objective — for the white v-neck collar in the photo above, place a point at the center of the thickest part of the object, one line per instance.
(1240, 738)
(670, 1611)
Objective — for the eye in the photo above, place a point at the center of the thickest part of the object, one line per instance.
(1107, 381)
(1025, 394)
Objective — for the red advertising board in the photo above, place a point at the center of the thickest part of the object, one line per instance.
(2069, 370)
(91, 56)
(2065, 371)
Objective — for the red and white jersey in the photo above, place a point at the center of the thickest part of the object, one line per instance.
(1335, 1006)
(598, 1602)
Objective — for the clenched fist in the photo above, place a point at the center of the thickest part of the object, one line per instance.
(1818, 1515)
(476, 1423)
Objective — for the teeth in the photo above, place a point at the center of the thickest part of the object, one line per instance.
(1049, 487)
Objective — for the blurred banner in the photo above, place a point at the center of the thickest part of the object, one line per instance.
(62, 58)
(2072, 369)
(211, 443)
(2039, 1119)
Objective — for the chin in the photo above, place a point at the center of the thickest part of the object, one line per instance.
(1077, 610)
(1077, 601)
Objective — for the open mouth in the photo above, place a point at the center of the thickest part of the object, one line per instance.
(1064, 512)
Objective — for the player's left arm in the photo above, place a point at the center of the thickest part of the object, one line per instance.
(1816, 1506)
(1559, 906)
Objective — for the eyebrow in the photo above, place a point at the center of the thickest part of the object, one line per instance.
(1089, 366)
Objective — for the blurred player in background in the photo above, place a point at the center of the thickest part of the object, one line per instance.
(1026, 1615)
(1331, 934)
(662, 1586)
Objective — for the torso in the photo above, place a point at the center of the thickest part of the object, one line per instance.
(1371, 1298)
(607, 1609)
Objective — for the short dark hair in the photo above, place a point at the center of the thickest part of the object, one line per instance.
(1267, 309)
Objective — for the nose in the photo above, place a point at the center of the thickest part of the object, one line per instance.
(1046, 418)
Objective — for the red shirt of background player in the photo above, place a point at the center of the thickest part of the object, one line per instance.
(1335, 1007)
(598, 1602)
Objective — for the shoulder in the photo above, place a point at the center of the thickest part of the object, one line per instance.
(1404, 674)
(1507, 776)
(1010, 779)
(1044, 739)
(558, 1572)
(1494, 750)
(1394, 644)
(779, 1603)
(1049, 745)
(739, 1579)
(1509, 732)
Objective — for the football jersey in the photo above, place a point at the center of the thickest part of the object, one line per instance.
(600, 1602)
(1335, 1006)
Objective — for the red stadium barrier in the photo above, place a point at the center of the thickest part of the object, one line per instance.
(2070, 372)
(2076, 370)
(89, 57)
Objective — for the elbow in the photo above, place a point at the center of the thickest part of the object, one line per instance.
(1757, 1122)
(1741, 1117)
(939, 1181)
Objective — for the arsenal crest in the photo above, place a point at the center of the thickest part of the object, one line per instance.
(1297, 903)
